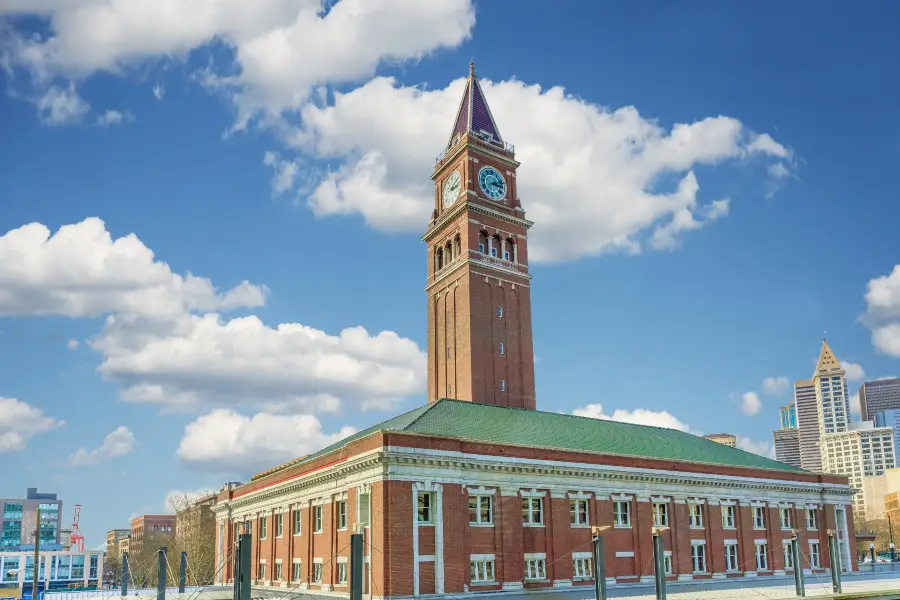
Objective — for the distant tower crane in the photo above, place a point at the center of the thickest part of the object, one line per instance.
(77, 538)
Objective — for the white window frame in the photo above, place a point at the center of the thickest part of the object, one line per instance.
(622, 518)
(667, 562)
(728, 516)
(531, 506)
(535, 567)
(503, 385)
(317, 519)
(424, 508)
(342, 515)
(479, 565)
(761, 549)
(759, 518)
(732, 562)
(296, 570)
(261, 570)
(695, 515)
(698, 556)
(277, 571)
(817, 554)
(575, 513)
(341, 571)
(317, 571)
(480, 501)
(582, 566)
(263, 528)
(786, 523)
(298, 521)
(660, 514)
(502, 349)
(500, 312)
(812, 519)
(788, 554)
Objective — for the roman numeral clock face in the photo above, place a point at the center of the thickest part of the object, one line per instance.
(492, 183)
(452, 188)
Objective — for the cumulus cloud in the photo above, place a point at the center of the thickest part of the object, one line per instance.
(19, 421)
(117, 443)
(762, 448)
(882, 314)
(61, 106)
(159, 91)
(225, 441)
(593, 180)
(72, 344)
(776, 386)
(750, 403)
(81, 271)
(639, 416)
(113, 117)
(853, 371)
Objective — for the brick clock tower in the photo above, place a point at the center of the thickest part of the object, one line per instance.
(479, 295)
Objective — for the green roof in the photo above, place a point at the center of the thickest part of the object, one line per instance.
(555, 431)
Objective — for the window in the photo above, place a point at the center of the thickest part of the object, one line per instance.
(494, 252)
(499, 312)
(667, 562)
(342, 514)
(295, 573)
(698, 558)
(480, 510)
(298, 520)
(342, 573)
(424, 507)
(581, 568)
(786, 521)
(506, 255)
(277, 573)
(481, 248)
(578, 511)
(814, 555)
(788, 556)
(533, 511)
(731, 557)
(279, 525)
(535, 569)
(502, 385)
(481, 571)
(262, 571)
(263, 528)
(502, 349)
(362, 509)
(622, 513)
(728, 517)
(317, 519)
(249, 528)
(448, 352)
(811, 520)
(695, 515)
(317, 572)
(762, 559)
(759, 517)
(660, 514)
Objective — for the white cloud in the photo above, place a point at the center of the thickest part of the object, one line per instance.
(82, 271)
(19, 422)
(113, 117)
(882, 314)
(762, 448)
(117, 443)
(61, 106)
(593, 180)
(159, 91)
(776, 386)
(284, 172)
(639, 416)
(750, 403)
(854, 372)
(72, 344)
(201, 359)
(224, 441)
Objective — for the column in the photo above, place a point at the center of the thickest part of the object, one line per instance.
(513, 540)
(773, 528)
(681, 540)
(643, 533)
(715, 539)
(559, 543)
(516, 252)
(746, 547)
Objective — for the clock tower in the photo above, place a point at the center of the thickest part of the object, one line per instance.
(479, 294)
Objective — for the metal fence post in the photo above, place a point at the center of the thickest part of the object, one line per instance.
(834, 554)
(161, 575)
(659, 566)
(182, 573)
(245, 550)
(356, 566)
(125, 574)
(599, 560)
(798, 566)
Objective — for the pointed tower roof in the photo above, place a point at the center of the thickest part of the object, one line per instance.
(474, 115)
(827, 360)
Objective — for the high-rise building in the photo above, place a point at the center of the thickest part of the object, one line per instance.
(723, 438)
(877, 396)
(855, 450)
(152, 529)
(479, 294)
(889, 418)
(789, 416)
(19, 519)
(113, 537)
(808, 425)
(787, 446)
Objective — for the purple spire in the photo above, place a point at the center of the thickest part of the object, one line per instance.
(474, 115)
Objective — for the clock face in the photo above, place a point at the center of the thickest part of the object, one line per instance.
(492, 183)
(452, 188)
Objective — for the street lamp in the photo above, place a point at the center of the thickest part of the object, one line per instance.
(872, 552)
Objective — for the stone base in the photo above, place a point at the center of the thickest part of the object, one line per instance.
(610, 581)
(326, 587)
(512, 586)
(750, 574)
(778, 572)
(562, 583)
(685, 578)
(648, 579)
(719, 576)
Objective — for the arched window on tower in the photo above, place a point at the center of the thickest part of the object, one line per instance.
(438, 259)
(509, 250)
(457, 245)
(449, 251)
(496, 244)
(482, 241)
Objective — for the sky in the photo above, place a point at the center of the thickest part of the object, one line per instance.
(210, 216)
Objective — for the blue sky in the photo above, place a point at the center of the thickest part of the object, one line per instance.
(712, 190)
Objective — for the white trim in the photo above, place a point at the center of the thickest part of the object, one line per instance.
(342, 559)
(582, 555)
(425, 558)
(535, 556)
(481, 491)
(580, 495)
(473, 557)
(696, 500)
(660, 499)
(532, 493)
(761, 541)
(621, 497)
(698, 543)
(730, 542)
(627, 554)
(317, 561)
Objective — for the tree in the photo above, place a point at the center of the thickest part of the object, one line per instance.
(195, 534)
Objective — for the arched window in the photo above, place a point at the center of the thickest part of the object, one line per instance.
(496, 244)
(509, 251)
(457, 245)
(482, 241)
(449, 254)
(438, 259)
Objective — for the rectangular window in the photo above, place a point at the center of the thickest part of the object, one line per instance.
(317, 572)
(581, 568)
(811, 521)
(578, 512)
(533, 511)
(295, 574)
(279, 525)
(481, 248)
(698, 558)
(762, 559)
(728, 517)
(494, 252)
(786, 521)
(506, 255)
(298, 520)
(622, 513)
(262, 571)
(731, 557)
(342, 573)
(502, 385)
(660, 514)
(759, 517)
(502, 349)
(536, 569)
(423, 509)
(448, 317)
(788, 556)
(695, 515)
(667, 563)
(499, 312)
(481, 571)
(249, 528)
(263, 528)
(342, 514)
(814, 555)
(277, 573)
(317, 519)
(480, 510)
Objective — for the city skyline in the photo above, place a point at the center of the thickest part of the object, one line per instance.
(271, 290)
